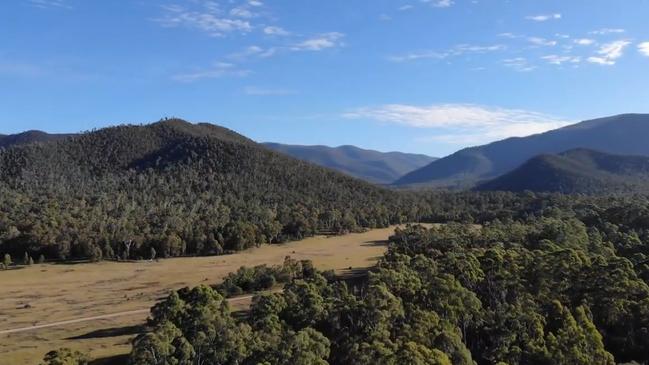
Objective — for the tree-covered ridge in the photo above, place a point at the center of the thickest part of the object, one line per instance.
(564, 282)
(173, 188)
(621, 134)
(576, 171)
(28, 137)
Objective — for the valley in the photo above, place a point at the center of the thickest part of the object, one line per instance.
(42, 294)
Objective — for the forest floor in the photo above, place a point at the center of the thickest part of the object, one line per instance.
(115, 296)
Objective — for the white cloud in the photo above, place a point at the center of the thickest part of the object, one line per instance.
(644, 48)
(519, 64)
(251, 51)
(242, 12)
(609, 53)
(218, 70)
(538, 41)
(462, 123)
(278, 31)
(605, 31)
(584, 41)
(44, 4)
(544, 17)
(208, 17)
(560, 60)
(260, 91)
(440, 3)
(413, 56)
(320, 42)
(458, 50)
(508, 35)
(405, 7)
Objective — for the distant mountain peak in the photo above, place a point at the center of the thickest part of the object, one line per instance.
(624, 134)
(370, 165)
(579, 170)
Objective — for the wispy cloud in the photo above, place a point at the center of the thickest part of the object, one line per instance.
(459, 123)
(605, 31)
(544, 17)
(274, 30)
(538, 41)
(584, 41)
(458, 50)
(16, 69)
(251, 52)
(644, 48)
(320, 42)
(44, 4)
(208, 17)
(520, 64)
(609, 53)
(218, 70)
(260, 91)
(561, 59)
(439, 3)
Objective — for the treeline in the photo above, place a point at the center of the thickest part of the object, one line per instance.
(563, 282)
(173, 189)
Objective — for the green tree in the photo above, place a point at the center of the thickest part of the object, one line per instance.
(65, 356)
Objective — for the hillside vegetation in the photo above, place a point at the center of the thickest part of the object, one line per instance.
(29, 137)
(174, 188)
(577, 171)
(557, 280)
(622, 134)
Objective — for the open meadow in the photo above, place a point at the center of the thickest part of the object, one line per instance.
(49, 293)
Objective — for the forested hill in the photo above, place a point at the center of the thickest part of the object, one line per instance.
(29, 137)
(576, 171)
(373, 166)
(174, 188)
(623, 134)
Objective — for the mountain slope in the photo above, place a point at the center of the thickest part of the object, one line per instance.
(29, 137)
(623, 134)
(373, 166)
(174, 188)
(576, 171)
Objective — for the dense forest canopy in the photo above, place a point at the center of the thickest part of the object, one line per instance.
(175, 188)
(510, 279)
(558, 280)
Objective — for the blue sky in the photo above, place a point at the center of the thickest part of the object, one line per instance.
(427, 76)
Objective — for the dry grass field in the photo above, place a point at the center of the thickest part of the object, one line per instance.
(43, 294)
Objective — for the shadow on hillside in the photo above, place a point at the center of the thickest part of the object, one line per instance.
(111, 332)
(376, 243)
(111, 360)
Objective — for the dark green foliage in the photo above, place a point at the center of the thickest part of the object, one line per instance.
(176, 187)
(553, 280)
(577, 171)
(65, 356)
(262, 277)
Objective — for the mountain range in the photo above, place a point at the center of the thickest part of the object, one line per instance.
(175, 188)
(576, 171)
(373, 166)
(29, 137)
(622, 134)
(369, 165)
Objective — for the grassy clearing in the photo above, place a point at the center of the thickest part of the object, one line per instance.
(57, 292)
